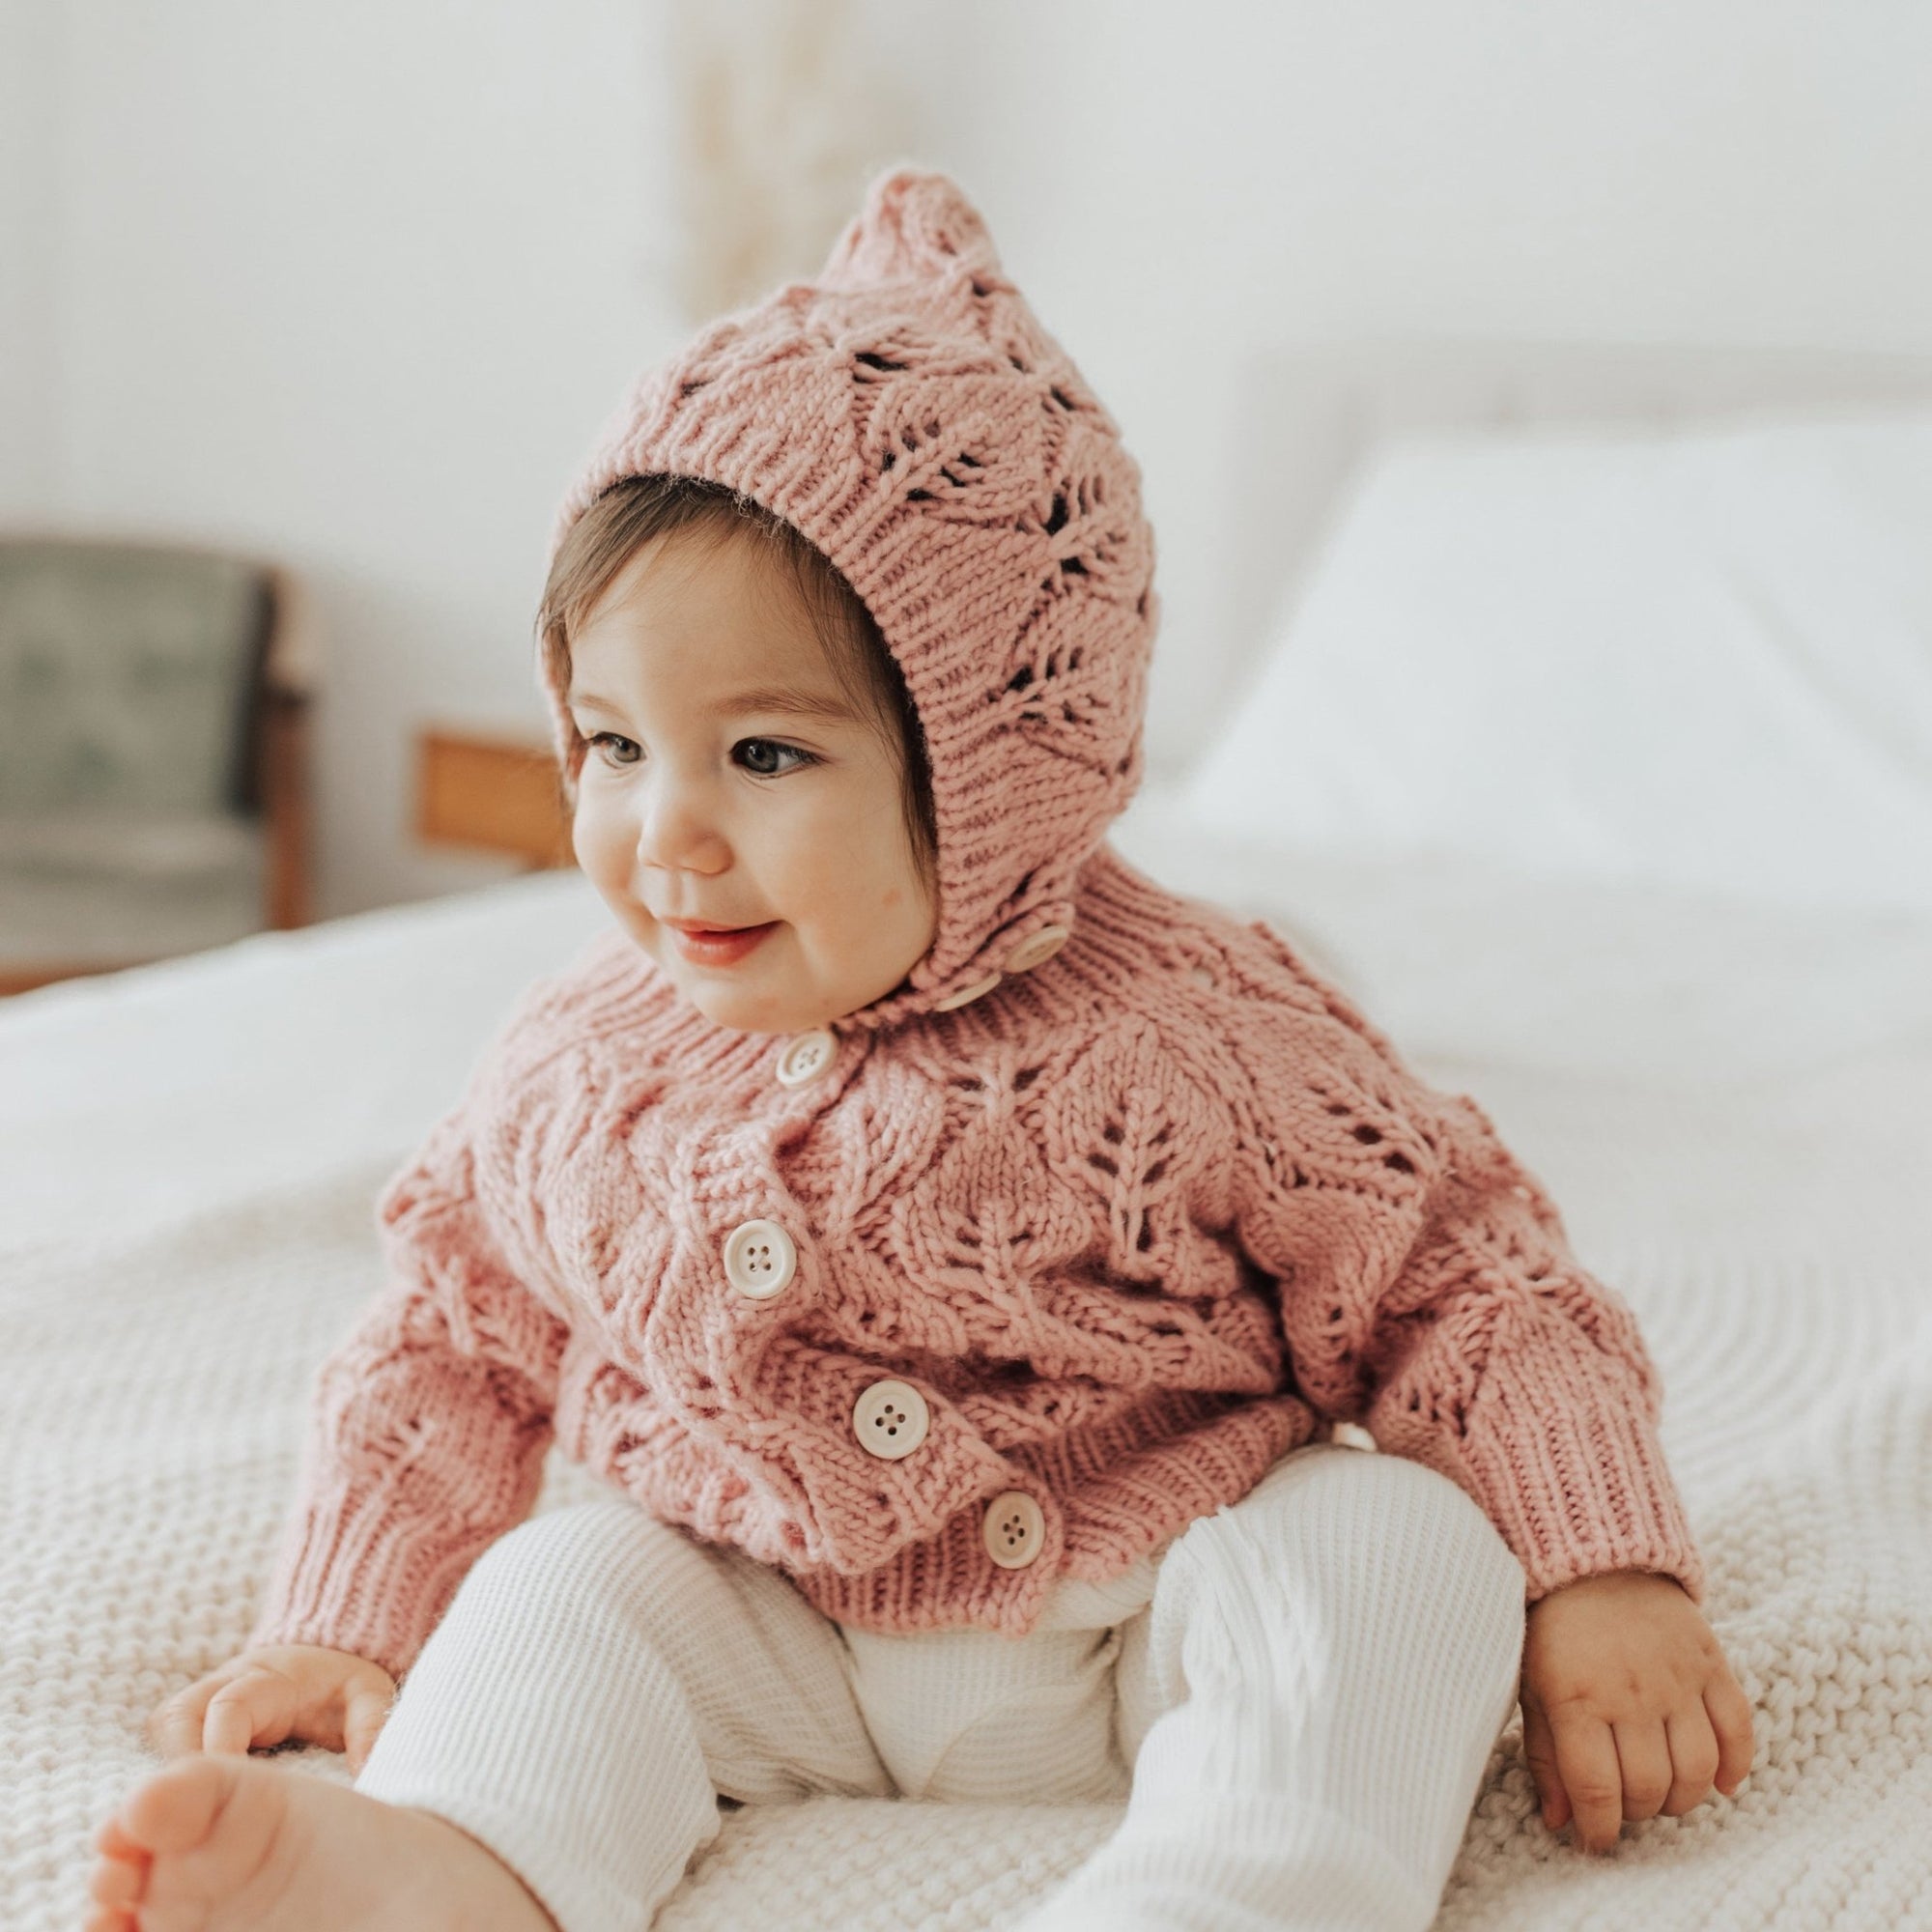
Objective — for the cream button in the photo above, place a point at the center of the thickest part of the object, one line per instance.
(1201, 976)
(806, 1055)
(759, 1259)
(1034, 952)
(890, 1419)
(1012, 1529)
(967, 993)
(1351, 1435)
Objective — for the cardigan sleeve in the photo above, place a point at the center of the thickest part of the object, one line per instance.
(429, 1425)
(1429, 1293)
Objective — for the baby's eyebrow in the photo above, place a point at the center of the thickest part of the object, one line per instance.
(785, 697)
(582, 701)
(792, 702)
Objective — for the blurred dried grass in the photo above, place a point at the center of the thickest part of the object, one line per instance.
(784, 117)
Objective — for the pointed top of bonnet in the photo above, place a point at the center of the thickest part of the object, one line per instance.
(913, 223)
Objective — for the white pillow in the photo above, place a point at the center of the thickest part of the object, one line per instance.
(1701, 659)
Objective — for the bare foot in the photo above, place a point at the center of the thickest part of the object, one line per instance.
(217, 1843)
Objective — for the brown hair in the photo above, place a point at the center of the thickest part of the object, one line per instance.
(638, 509)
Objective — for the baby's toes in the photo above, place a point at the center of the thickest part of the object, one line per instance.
(116, 1884)
(112, 1842)
(174, 1811)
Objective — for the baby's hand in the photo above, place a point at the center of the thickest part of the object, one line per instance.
(274, 1692)
(1628, 1707)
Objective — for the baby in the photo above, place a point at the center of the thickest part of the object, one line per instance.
(971, 1265)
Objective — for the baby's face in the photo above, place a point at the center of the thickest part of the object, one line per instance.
(729, 781)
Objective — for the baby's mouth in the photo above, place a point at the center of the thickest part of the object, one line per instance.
(716, 946)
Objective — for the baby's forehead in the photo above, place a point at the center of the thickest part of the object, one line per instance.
(734, 592)
(724, 603)
(710, 560)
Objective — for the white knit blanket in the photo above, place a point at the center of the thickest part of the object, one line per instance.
(1766, 1208)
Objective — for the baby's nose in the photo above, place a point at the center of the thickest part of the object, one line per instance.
(678, 830)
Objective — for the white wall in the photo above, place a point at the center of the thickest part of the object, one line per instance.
(1177, 184)
(30, 68)
(356, 283)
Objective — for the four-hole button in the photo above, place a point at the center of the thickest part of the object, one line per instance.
(1012, 1529)
(890, 1419)
(759, 1259)
(806, 1055)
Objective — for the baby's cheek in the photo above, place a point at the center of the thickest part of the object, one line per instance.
(583, 834)
(580, 845)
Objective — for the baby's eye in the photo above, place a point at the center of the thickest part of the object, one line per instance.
(761, 748)
(611, 738)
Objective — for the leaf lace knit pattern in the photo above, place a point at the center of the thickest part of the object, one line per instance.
(1134, 1225)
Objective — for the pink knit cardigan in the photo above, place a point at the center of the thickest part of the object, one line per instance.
(1048, 1250)
(1133, 1226)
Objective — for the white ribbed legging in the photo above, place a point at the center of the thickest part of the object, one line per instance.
(1296, 1696)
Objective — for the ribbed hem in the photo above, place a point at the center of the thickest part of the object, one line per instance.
(578, 1898)
(1243, 1861)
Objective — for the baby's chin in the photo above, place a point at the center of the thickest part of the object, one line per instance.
(746, 1012)
(762, 996)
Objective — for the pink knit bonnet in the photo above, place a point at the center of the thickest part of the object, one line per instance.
(907, 412)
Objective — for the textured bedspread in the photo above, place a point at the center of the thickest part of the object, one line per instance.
(1758, 1187)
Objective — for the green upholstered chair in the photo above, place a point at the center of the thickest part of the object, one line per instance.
(153, 772)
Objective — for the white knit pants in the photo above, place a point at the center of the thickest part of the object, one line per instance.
(1296, 1696)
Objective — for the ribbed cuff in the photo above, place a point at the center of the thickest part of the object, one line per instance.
(359, 1574)
(1559, 1449)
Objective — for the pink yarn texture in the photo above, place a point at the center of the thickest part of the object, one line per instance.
(1153, 1208)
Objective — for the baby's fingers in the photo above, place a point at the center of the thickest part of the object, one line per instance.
(1586, 1754)
(259, 1707)
(368, 1713)
(175, 1725)
(1645, 1763)
(1730, 1714)
(1540, 1749)
(1694, 1760)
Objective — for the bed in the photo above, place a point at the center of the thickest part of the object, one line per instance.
(1724, 1076)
